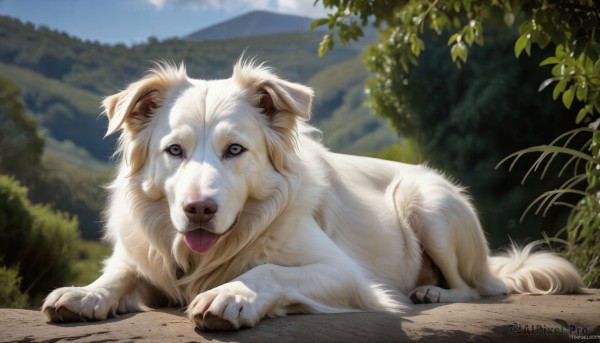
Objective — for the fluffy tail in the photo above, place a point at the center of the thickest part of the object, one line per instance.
(536, 272)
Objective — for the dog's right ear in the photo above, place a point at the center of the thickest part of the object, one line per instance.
(132, 108)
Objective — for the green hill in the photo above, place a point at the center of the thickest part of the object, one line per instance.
(66, 113)
(350, 127)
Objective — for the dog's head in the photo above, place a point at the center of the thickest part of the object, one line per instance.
(207, 147)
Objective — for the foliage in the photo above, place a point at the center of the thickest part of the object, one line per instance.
(10, 293)
(21, 144)
(37, 243)
(34, 239)
(65, 176)
(15, 219)
(581, 230)
(72, 188)
(571, 27)
(406, 152)
(40, 249)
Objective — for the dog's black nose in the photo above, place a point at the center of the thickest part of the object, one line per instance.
(200, 211)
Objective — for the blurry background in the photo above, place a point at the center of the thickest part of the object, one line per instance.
(58, 59)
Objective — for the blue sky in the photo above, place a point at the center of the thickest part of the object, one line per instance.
(133, 21)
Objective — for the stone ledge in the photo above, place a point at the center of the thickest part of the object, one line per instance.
(487, 320)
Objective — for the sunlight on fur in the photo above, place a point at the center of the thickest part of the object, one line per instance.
(225, 202)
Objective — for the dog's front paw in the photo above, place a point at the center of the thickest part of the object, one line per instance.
(73, 304)
(227, 307)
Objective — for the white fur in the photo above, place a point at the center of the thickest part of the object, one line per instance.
(303, 229)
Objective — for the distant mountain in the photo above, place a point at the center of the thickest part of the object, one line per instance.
(255, 23)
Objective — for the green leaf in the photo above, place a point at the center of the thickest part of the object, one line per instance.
(521, 44)
(581, 92)
(550, 60)
(326, 44)
(453, 38)
(417, 45)
(581, 114)
(454, 52)
(459, 51)
(559, 88)
(462, 52)
(560, 51)
(588, 65)
(479, 38)
(469, 35)
(318, 22)
(567, 97)
(557, 70)
(525, 28)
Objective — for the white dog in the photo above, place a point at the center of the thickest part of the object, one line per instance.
(225, 202)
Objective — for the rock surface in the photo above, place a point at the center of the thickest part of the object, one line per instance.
(515, 318)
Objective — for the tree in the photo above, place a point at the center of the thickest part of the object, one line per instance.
(569, 28)
(22, 145)
(36, 243)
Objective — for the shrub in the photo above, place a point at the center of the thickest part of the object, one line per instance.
(35, 241)
(10, 293)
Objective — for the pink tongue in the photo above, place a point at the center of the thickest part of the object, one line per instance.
(200, 240)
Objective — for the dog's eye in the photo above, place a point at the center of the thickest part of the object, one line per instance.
(234, 150)
(175, 150)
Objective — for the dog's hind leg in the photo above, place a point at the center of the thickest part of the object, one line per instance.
(444, 255)
(459, 290)
(448, 229)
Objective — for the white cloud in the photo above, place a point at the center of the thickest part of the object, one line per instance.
(298, 7)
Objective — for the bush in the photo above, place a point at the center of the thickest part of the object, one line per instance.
(35, 241)
(15, 219)
(407, 152)
(10, 293)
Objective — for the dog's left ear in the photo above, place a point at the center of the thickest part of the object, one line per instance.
(274, 96)
(282, 103)
(278, 95)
